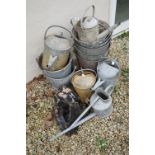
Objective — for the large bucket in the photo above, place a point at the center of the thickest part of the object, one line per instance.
(92, 54)
(84, 91)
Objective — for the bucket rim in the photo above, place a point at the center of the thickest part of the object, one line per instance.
(84, 70)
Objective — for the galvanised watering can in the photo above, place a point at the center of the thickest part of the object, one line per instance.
(56, 49)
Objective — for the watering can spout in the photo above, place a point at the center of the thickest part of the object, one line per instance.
(106, 32)
(74, 20)
(51, 61)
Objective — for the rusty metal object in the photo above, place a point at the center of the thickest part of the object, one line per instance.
(84, 92)
(67, 107)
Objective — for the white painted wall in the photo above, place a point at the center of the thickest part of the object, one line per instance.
(42, 13)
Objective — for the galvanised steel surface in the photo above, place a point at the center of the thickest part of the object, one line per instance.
(62, 54)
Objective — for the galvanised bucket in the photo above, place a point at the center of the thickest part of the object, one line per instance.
(93, 54)
(59, 82)
(59, 73)
(84, 63)
(84, 92)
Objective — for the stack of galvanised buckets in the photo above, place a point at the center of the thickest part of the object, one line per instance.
(92, 38)
(56, 60)
(95, 76)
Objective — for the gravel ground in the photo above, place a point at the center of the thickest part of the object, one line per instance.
(98, 136)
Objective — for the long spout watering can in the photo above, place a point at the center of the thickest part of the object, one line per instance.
(88, 27)
(101, 102)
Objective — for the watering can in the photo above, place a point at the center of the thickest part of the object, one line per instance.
(108, 72)
(56, 49)
(101, 102)
(88, 27)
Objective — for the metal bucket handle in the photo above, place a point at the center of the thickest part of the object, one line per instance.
(45, 35)
(93, 13)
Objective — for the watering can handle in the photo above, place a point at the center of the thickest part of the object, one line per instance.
(109, 89)
(98, 84)
(52, 61)
(54, 26)
(93, 13)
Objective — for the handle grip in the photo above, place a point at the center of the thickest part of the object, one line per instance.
(93, 13)
(54, 26)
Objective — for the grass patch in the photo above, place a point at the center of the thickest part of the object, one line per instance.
(125, 73)
(123, 35)
(116, 88)
(101, 143)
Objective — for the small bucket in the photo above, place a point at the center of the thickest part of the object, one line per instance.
(84, 91)
(59, 82)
